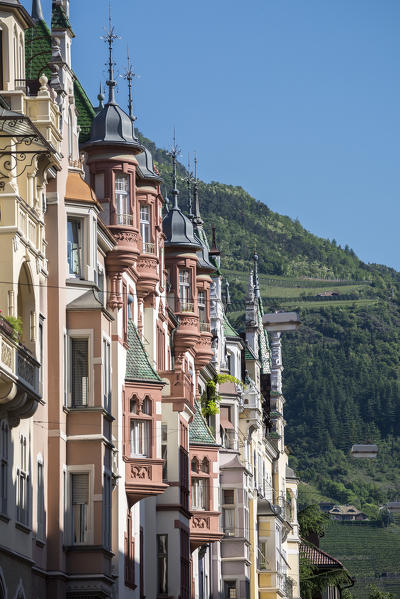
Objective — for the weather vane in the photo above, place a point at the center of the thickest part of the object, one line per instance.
(174, 152)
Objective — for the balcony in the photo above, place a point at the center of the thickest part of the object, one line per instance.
(148, 248)
(203, 348)
(205, 327)
(19, 378)
(274, 582)
(204, 528)
(143, 478)
(124, 219)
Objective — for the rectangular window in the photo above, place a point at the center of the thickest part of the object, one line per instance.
(4, 442)
(129, 561)
(101, 286)
(199, 493)
(185, 295)
(107, 375)
(23, 484)
(184, 478)
(246, 523)
(164, 450)
(107, 511)
(79, 373)
(122, 200)
(230, 591)
(41, 355)
(228, 512)
(40, 513)
(145, 229)
(262, 553)
(162, 564)
(74, 247)
(140, 437)
(201, 302)
(80, 506)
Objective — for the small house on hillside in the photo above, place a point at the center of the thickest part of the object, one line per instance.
(327, 294)
(346, 513)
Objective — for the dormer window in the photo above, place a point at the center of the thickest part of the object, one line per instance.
(122, 200)
(145, 229)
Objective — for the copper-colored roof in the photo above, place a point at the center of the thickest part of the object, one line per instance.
(79, 191)
(318, 557)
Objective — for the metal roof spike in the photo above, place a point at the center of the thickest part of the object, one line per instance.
(37, 12)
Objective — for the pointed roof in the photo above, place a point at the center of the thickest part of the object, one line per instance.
(138, 367)
(229, 331)
(59, 19)
(199, 433)
(23, 12)
(146, 167)
(318, 557)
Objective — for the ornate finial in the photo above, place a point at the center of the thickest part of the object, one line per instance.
(227, 296)
(100, 97)
(109, 38)
(197, 218)
(189, 180)
(250, 289)
(174, 152)
(256, 281)
(129, 75)
(214, 251)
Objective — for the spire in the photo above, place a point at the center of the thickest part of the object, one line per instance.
(214, 251)
(227, 296)
(256, 281)
(129, 75)
(174, 153)
(37, 13)
(197, 218)
(166, 199)
(250, 289)
(109, 38)
(189, 179)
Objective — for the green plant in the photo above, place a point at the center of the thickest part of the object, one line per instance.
(16, 323)
(375, 593)
(211, 398)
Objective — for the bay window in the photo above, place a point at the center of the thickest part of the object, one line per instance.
(145, 229)
(122, 200)
(74, 247)
(140, 427)
(201, 302)
(228, 512)
(199, 493)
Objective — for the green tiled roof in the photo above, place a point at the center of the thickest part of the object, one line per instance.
(59, 19)
(229, 330)
(85, 111)
(138, 366)
(37, 50)
(248, 354)
(199, 433)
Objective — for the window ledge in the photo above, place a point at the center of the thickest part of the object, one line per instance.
(40, 543)
(4, 518)
(77, 282)
(26, 529)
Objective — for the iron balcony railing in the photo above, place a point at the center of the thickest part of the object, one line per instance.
(205, 327)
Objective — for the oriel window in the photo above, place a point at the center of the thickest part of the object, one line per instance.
(122, 200)
(201, 302)
(79, 372)
(145, 229)
(74, 247)
(185, 294)
(162, 564)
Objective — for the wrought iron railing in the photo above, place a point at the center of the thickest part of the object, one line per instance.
(28, 369)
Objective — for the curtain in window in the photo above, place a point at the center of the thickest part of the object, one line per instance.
(80, 501)
(79, 372)
(140, 437)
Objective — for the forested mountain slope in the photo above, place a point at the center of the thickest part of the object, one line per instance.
(342, 368)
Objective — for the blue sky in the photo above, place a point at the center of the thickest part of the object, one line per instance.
(297, 101)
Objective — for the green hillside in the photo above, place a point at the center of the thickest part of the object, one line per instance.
(370, 553)
(342, 368)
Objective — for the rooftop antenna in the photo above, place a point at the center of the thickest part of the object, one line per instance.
(109, 38)
(174, 152)
(129, 76)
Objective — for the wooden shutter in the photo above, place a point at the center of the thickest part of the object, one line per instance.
(80, 489)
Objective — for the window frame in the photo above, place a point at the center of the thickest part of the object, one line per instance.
(185, 290)
(145, 422)
(22, 484)
(202, 305)
(122, 199)
(40, 501)
(80, 334)
(4, 465)
(228, 507)
(81, 469)
(107, 374)
(80, 221)
(146, 229)
(162, 586)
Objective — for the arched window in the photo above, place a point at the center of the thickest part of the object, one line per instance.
(205, 466)
(26, 308)
(195, 465)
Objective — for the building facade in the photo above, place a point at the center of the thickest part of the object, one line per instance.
(142, 438)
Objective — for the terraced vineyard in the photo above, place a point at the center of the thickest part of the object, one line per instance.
(370, 553)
